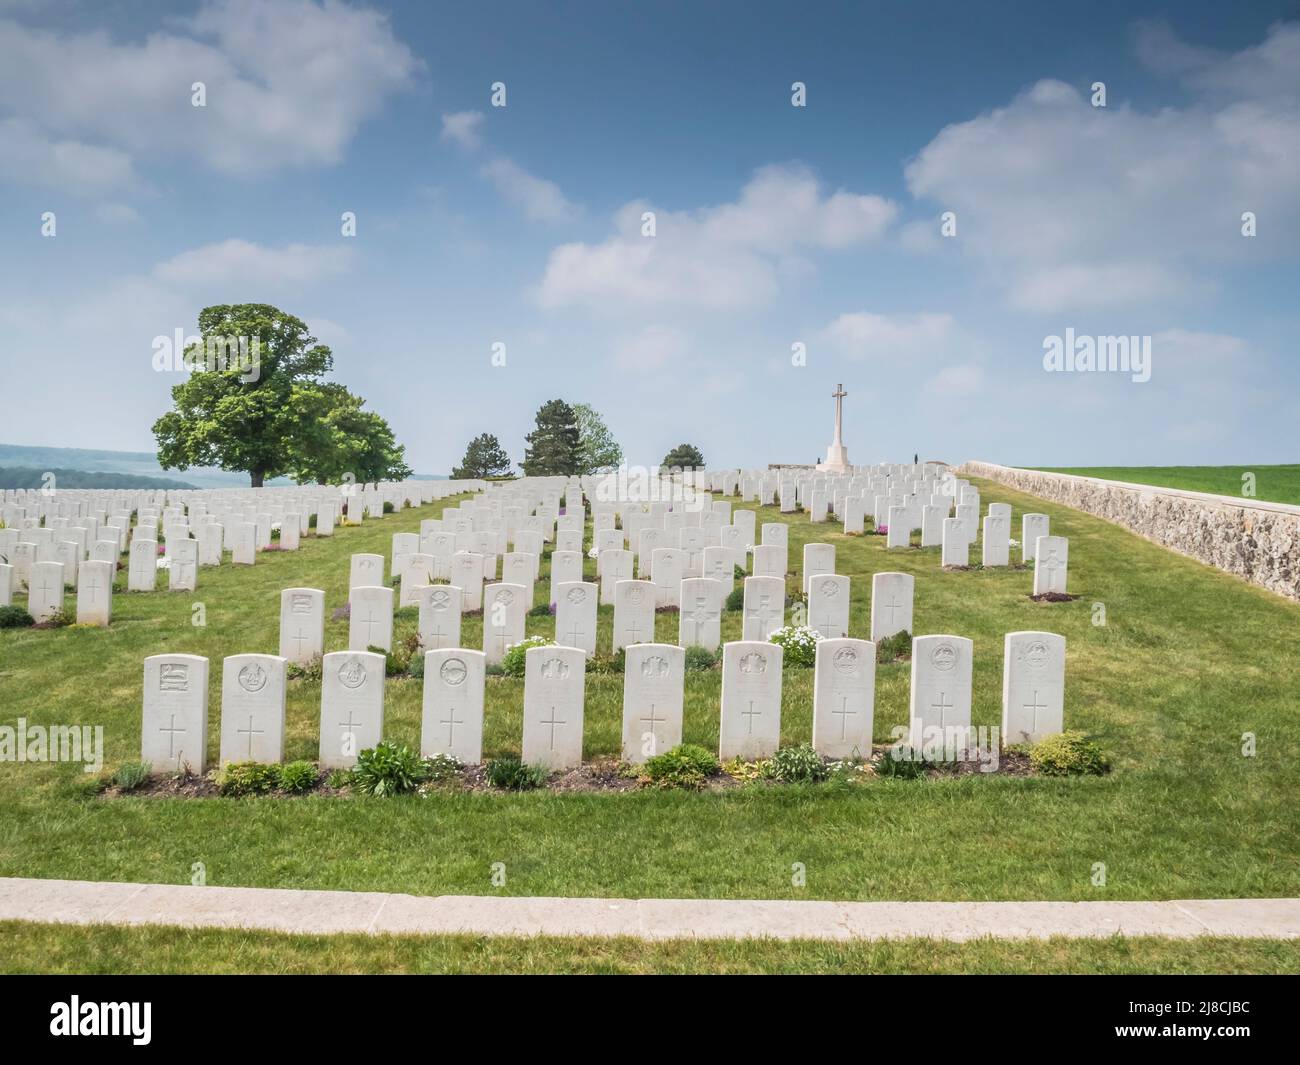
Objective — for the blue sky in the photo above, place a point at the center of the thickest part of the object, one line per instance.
(775, 225)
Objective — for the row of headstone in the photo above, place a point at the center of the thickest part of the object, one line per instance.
(253, 688)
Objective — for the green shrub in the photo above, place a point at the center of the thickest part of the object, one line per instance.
(132, 775)
(510, 774)
(311, 521)
(738, 572)
(389, 508)
(893, 648)
(339, 779)
(797, 765)
(247, 778)
(606, 663)
(900, 766)
(313, 670)
(296, 777)
(736, 600)
(799, 643)
(1069, 754)
(387, 769)
(513, 661)
(15, 617)
(541, 610)
(60, 619)
(685, 766)
(699, 659)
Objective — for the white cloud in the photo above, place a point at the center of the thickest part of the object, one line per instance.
(1075, 206)
(28, 155)
(288, 83)
(117, 214)
(724, 257)
(890, 338)
(537, 198)
(463, 128)
(240, 261)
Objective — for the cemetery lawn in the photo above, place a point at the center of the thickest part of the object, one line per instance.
(1188, 661)
(108, 949)
(1274, 484)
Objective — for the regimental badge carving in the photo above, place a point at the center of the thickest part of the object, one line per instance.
(253, 678)
(555, 669)
(453, 671)
(944, 657)
(654, 666)
(636, 595)
(1034, 654)
(300, 604)
(439, 599)
(576, 595)
(352, 674)
(753, 664)
(846, 660)
(830, 589)
(173, 677)
(505, 597)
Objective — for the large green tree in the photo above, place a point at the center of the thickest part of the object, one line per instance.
(685, 456)
(484, 457)
(552, 446)
(276, 417)
(597, 449)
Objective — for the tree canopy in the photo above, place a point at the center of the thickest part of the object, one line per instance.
(275, 417)
(484, 457)
(685, 456)
(598, 451)
(553, 445)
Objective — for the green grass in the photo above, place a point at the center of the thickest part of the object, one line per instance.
(1274, 484)
(1189, 659)
(107, 949)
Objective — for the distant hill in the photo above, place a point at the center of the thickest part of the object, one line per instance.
(31, 477)
(137, 464)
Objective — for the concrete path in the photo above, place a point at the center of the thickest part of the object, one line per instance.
(288, 910)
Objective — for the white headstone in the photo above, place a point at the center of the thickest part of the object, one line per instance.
(1033, 686)
(252, 708)
(45, 590)
(667, 569)
(700, 617)
(941, 691)
(440, 610)
(764, 607)
(451, 721)
(653, 692)
(750, 725)
(174, 726)
(505, 608)
(575, 615)
(366, 571)
(554, 683)
(142, 566)
(891, 604)
(95, 593)
(1051, 564)
(634, 613)
(351, 706)
(302, 624)
(183, 571)
(817, 558)
(844, 698)
(370, 622)
(6, 584)
(566, 567)
(828, 605)
(956, 545)
(996, 547)
(1032, 526)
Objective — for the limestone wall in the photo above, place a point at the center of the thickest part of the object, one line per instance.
(1245, 537)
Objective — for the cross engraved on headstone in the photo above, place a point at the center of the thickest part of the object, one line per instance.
(553, 722)
(451, 721)
(762, 612)
(171, 736)
(635, 630)
(942, 705)
(250, 732)
(349, 726)
(700, 615)
(652, 719)
(300, 638)
(1034, 707)
(93, 587)
(892, 606)
(370, 622)
(751, 713)
(844, 713)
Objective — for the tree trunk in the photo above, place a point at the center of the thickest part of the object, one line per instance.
(256, 476)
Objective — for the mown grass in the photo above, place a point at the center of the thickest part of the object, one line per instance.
(1275, 484)
(108, 949)
(1188, 660)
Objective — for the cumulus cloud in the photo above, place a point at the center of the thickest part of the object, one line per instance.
(232, 261)
(889, 338)
(27, 154)
(1076, 206)
(463, 128)
(651, 349)
(288, 82)
(724, 257)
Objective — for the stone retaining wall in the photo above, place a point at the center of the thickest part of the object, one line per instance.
(1257, 541)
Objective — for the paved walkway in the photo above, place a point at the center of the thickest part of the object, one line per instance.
(288, 910)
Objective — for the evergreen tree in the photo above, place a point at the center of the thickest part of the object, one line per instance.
(685, 456)
(553, 446)
(484, 457)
